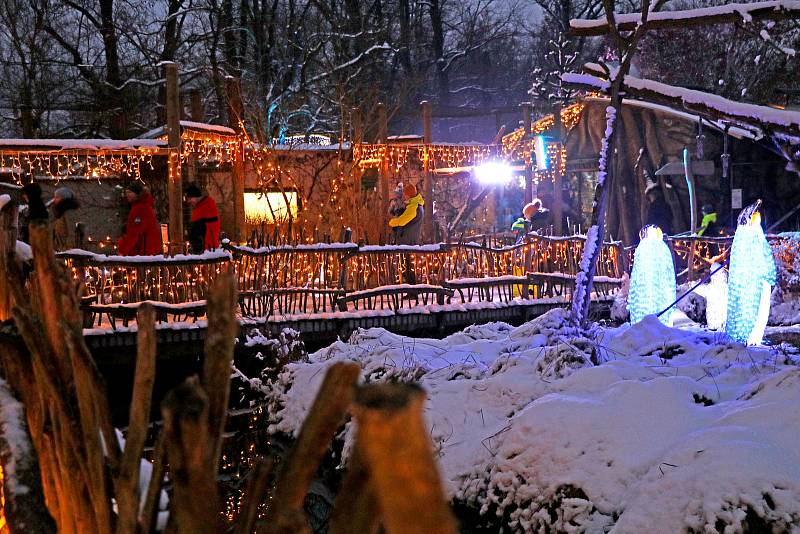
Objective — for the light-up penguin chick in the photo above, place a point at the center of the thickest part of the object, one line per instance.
(652, 287)
(750, 280)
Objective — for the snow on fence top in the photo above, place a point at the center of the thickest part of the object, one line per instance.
(191, 125)
(786, 120)
(707, 15)
(37, 145)
(90, 257)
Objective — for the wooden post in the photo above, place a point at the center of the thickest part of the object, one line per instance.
(8, 240)
(174, 178)
(395, 443)
(196, 114)
(196, 111)
(526, 125)
(427, 177)
(236, 121)
(558, 186)
(383, 134)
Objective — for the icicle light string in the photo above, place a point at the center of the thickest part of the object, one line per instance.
(63, 164)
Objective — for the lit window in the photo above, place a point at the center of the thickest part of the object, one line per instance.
(270, 207)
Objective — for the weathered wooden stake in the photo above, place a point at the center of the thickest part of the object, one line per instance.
(174, 178)
(427, 177)
(394, 441)
(236, 121)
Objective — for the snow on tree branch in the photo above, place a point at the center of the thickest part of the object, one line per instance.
(728, 13)
(771, 118)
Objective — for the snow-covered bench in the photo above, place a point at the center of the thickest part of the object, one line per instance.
(489, 289)
(549, 285)
(288, 300)
(94, 313)
(393, 297)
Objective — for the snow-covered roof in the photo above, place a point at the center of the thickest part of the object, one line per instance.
(193, 126)
(24, 145)
(786, 121)
(739, 133)
(706, 15)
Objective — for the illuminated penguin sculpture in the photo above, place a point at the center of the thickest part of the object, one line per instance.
(652, 287)
(751, 276)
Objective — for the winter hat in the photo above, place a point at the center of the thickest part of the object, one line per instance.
(64, 193)
(135, 187)
(192, 191)
(409, 190)
(36, 208)
(531, 208)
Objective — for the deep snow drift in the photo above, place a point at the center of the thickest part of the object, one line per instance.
(633, 429)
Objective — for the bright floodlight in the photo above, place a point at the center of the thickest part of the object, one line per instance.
(493, 172)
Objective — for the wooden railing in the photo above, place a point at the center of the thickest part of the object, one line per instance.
(314, 278)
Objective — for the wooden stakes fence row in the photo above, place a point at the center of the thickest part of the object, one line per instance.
(85, 469)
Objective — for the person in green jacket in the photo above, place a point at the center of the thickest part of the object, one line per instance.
(530, 213)
(708, 225)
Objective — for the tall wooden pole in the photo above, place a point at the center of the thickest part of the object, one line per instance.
(383, 187)
(236, 121)
(174, 178)
(558, 178)
(8, 241)
(427, 178)
(195, 114)
(526, 125)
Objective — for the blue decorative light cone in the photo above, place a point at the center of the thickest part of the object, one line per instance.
(652, 286)
(751, 275)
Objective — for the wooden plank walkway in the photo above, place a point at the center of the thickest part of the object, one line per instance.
(320, 331)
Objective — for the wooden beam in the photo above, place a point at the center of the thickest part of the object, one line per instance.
(527, 125)
(728, 14)
(174, 178)
(236, 121)
(383, 171)
(427, 177)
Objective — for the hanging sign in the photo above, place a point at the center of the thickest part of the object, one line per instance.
(736, 199)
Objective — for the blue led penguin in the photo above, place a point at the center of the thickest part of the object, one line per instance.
(652, 287)
(751, 276)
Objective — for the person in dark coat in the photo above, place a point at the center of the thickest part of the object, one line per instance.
(142, 235)
(408, 224)
(61, 205)
(658, 212)
(35, 211)
(204, 225)
(408, 227)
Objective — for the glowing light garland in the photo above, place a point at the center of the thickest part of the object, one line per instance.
(652, 279)
(752, 273)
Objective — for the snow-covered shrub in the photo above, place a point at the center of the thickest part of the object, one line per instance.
(619, 309)
(544, 428)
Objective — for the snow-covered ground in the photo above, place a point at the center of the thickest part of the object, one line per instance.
(631, 429)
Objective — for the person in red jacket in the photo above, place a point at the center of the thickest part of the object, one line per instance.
(142, 232)
(204, 225)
